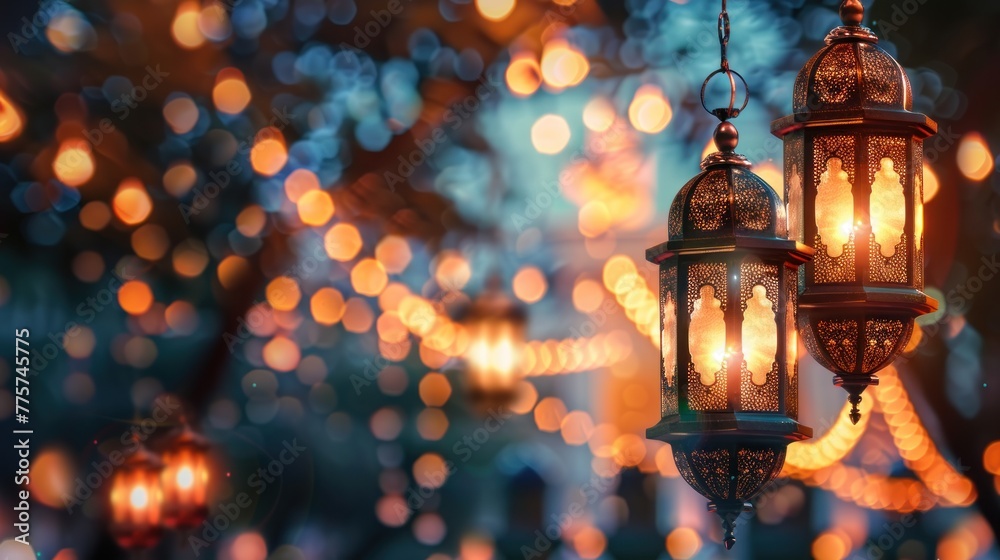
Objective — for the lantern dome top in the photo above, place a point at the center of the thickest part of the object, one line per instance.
(851, 72)
(726, 199)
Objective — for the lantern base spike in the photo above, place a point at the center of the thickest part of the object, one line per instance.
(729, 513)
(855, 385)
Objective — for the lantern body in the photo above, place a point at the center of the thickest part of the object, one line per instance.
(185, 480)
(496, 334)
(853, 180)
(136, 501)
(729, 382)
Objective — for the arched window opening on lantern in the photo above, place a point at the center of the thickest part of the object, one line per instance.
(760, 335)
(707, 337)
(888, 208)
(668, 339)
(834, 208)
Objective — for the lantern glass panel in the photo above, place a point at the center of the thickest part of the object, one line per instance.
(668, 339)
(494, 354)
(706, 306)
(759, 292)
(888, 208)
(791, 344)
(794, 170)
(136, 502)
(185, 485)
(834, 208)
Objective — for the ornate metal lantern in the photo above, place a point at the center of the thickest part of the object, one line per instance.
(853, 184)
(496, 333)
(728, 287)
(729, 382)
(185, 480)
(136, 500)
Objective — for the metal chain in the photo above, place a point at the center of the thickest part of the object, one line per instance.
(724, 36)
(725, 113)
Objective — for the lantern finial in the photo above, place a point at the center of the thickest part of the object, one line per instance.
(852, 12)
(726, 137)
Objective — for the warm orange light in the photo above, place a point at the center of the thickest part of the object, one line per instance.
(394, 253)
(760, 335)
(594, 219)
(269, 155)
(11, 121)
(73, 164)
(135, 297)
(974, 157)
(232, 270)
(649, 111)
(327, 306)
(132, 203)
(315, 208)
(495, 10)
(683, 543)
(562, 65)
(599, 114)
(185, 26)
(251, 220)
(707, 338)
(834, 208)
(185, 480)
(523, 74)
(282, 354)
(342, 242)
(494, 355)
(179, 178)
(931, 183)
(452, 271)
(283, 293)
(529, 284)
(550, 134)
(888, 208)
(136, 501)
(299, 182)
(150, 242)
(95, 215)
(190, 258)
(231, 94)
(368, 277)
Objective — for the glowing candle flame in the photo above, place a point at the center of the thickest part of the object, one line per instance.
(139, 497)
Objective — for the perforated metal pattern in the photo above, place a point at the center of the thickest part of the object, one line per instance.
(882, 337)
(708, 208)
(706, 397)
(757, 467)
(792, 350)
(839, 340)
(675, 220)
(884, 81)
(687, 473)
(753, 273)
(712, 466)
(834, 84)
(668, 340)
(893, 269)
(851, 75)
(755, 205)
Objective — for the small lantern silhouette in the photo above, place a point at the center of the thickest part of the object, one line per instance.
(136, 501)
(185, 479)
(728, 287)
(496, 333)
(853, 180)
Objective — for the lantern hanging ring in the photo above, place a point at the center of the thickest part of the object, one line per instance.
(730, 112)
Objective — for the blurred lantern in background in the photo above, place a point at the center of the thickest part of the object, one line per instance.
(853, 174)
(185, 479)
(495, 325)
(136, 501)
(728, 287)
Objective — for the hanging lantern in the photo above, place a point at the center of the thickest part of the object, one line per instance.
(728, 275)
(853, 176)
(185, 480)
(496, 330)
(136, 500)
